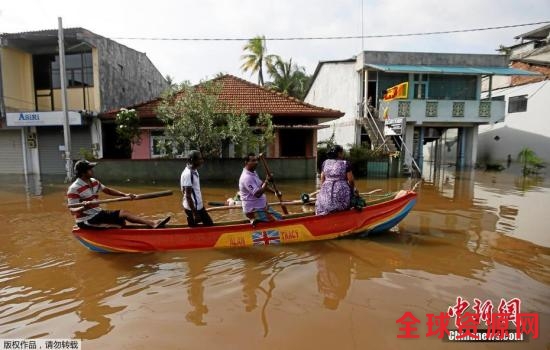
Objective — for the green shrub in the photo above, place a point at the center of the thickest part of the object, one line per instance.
(360, 156)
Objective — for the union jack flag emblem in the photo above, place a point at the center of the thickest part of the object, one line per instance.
(266, 237)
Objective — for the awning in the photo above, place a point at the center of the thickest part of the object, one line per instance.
(403, 68)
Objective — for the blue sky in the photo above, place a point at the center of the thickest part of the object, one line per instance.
(278, 18)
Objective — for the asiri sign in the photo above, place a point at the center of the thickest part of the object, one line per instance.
(41, 118)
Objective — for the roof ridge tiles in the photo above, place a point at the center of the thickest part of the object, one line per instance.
(252, 99)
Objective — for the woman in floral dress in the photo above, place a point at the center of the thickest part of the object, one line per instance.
(337, 183)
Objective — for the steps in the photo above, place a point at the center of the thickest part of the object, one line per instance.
(375, 131)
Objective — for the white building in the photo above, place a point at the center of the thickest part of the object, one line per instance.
(444, 93)
(526, 121)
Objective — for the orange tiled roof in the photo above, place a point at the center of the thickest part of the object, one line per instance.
(250, 98)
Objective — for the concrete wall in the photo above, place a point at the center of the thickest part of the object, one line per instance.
(522, 129)
(495, 145)
(126, 76)
(169, 170)
(17, 80)
(337, 86)
(535, 119)
(142, 150)
(498, 82)
(434, 59)
(75, 99)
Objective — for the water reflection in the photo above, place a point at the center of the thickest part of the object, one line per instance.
(33, 185)
(110, 276)
(195, 291)
(479, 200)
(260, 268)
(526, 183)
(333, 275)
(460, 239)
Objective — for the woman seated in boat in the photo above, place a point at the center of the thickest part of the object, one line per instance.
(337, 183)
(252, 190)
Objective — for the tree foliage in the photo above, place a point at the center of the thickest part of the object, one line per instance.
(195, 117)
(255, 57)
(264, 132)
(531, 162)
(323, 147)
(127, 126)
(288, 78)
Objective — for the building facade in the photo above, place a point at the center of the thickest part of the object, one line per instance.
(443, 93)
(525, 123)
(101, 75)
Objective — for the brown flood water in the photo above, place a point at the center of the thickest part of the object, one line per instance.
(476, 235)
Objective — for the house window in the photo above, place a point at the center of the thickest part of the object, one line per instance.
(453, 87)
(293, 143)
(517, 104)
(162, 147)
(78, 67)
(420, 84)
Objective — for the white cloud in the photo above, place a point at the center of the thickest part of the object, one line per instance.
(191, 60)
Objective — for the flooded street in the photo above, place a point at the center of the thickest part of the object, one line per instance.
(474, 235)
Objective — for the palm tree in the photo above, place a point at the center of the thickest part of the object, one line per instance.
(288, 78)
(256, 57)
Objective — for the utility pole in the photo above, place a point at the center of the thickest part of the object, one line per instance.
(2, 105)
(362, 28)
(66, 124)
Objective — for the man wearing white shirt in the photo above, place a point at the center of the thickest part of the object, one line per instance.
(191, 190)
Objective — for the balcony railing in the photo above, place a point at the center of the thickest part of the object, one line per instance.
(463, 111)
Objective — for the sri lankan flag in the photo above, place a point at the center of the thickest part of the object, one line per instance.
(397, 91)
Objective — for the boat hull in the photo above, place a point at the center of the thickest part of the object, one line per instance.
(374, 218)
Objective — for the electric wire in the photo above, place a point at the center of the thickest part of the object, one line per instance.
(339, 37)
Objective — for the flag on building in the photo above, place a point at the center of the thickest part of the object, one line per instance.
(397, 91)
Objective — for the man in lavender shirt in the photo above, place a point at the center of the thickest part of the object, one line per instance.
(252, 190)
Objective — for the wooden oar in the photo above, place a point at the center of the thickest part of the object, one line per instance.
(227, 207)
(216, 204)
(371, 192)
(121, 199)
(295, 202)
(268, 173)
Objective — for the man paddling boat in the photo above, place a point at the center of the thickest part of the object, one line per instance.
(252, 190)
(86, 189)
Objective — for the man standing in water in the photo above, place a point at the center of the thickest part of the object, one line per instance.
(86, 189)
(191, 190)
(252, 191)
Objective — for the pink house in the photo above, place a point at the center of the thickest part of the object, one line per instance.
(295, 122)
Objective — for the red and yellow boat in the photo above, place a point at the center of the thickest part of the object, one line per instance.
(379, 215)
